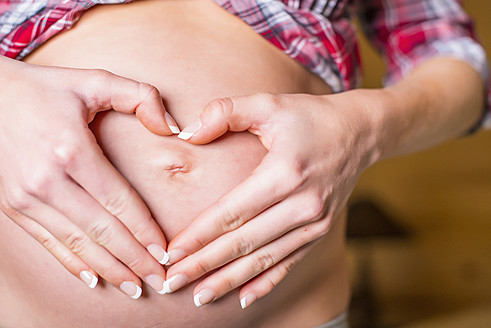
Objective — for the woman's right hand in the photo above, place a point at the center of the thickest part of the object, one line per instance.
(57, 185)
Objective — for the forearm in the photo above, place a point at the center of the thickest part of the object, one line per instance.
(441, 99)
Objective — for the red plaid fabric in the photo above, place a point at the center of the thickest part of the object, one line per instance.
(317, 33)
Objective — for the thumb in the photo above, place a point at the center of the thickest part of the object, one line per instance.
(244, 113)
(109, 91)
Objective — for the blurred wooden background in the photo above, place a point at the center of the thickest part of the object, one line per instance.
(441, 275)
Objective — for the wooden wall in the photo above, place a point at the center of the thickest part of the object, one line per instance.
(443, 196)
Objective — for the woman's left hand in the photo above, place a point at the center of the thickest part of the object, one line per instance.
(317, 148)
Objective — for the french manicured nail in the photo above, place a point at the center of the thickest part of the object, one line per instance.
(247, 300)
(156, 282)
(158, 253)
(131, 289)
(175, 282)
(204, 297)
(176, 255)
(190, 130)
(171, 123)
(89, 278)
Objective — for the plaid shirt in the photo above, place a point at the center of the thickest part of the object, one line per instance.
(317, 33)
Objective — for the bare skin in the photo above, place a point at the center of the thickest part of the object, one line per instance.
(191, 62)
(317, 147)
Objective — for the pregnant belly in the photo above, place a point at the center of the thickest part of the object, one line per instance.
(193, 51)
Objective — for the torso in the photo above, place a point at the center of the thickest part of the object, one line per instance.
(193, 52)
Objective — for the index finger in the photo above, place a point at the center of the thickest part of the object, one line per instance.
(270, 183)
(93, 172)
(104, 90)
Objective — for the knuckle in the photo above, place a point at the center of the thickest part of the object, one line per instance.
(136, 263)
(263, 261)
(288, 268)
(229, 220)
(201, 267)
(142, 228)
(117, 203)
(98, 77)
(77, 242)
(95, 80)
(112, 273)
(277, 275)
(290, 174)
(315, 209)
(228, 283)
(271, 100)
(48, 242)
(68, 261)
(148, 91)
(66, 152)
(198, 242)
(101, 232)
(38, 184)
(321, 228)
(270, 284)
(222, 106)
(16, 199)
(240, 246)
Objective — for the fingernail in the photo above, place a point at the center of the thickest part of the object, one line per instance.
(204, 297)
(175, 282)
(156, 282)
(247, 300)
(171, 123)
(158, 253)
(89, 278)
(131, 289)
(176, 255)
(190, 130)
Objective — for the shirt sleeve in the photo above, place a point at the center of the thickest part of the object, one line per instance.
(408, 32)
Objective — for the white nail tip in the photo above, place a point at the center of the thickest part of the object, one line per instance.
(158, 253)
(185, 135)
(90, 279)
(196, 300)
(174, 129)
(138, 293)
(190, 130)
(171, 123)
(243, 302)
(94, 282)
(162, 291)
(166, 288)
(165, 259)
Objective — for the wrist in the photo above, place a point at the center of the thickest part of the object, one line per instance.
(369, 113)
(381, 115)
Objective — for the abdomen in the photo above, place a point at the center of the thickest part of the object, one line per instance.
(193, 52)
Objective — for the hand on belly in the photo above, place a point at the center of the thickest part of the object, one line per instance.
(51, 172)
(271, 220)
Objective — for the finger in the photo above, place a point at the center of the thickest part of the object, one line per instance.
(245, 268)
(80, 245)
(68, 259)
(98, 228)
(271, 182)
(264, 228)
(105, 90)
(264, 283)
(86, 164)
(234, 114)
